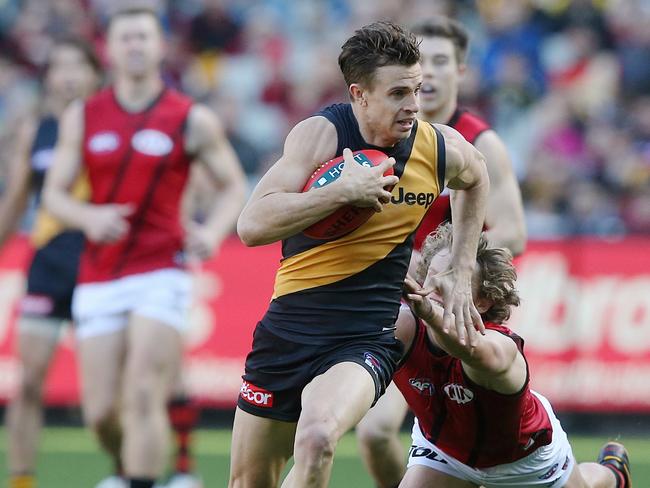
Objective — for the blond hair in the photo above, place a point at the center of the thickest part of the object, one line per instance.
(496, 273)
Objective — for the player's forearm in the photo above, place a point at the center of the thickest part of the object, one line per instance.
(72, 212)
(222, 218)
(11, 208)
(468, 213)
(280, 215)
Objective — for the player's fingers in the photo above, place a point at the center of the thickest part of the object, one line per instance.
(385, 164)
(476, 319)
(460, 324)
(124, 209)
(468, 321)
(390, 180)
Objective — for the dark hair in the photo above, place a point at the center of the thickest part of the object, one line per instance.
(128, 9)
(373, 46)
(440, 26)
(496, 273)
(80, 45)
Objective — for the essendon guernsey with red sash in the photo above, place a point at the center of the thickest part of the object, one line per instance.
(137, 158)
(470, 126)
(478, 427)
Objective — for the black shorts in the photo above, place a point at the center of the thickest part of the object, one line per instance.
(277, 369)
(52, 277)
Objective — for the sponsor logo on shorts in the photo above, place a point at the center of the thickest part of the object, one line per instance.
(373, 362)
(459, 393)
(103, 142)
(255, 395)
(417, 451)
(550, 472)
(422, 385)
(409, 198)
(152, 142)
(566, 463)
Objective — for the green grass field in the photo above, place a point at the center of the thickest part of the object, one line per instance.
(69, 459)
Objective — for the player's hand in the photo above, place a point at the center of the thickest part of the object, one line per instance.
(455, 288)
(199, 242)
(108, 223)
(420, 304)
(366, 187)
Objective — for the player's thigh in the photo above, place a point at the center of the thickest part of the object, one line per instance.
(425, 477)
(338, 398)
(576, 480)
(386, 416)
(260, 449)
(101, 360)
(154, 354)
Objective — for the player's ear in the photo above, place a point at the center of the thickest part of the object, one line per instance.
(357, 94)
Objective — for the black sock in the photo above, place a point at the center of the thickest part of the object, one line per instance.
(141, 482)
(620, 479)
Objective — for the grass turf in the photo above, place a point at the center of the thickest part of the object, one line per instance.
(68, 458)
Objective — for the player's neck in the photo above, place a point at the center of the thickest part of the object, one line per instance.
(135, 94)
(443, 114)
(369, 136)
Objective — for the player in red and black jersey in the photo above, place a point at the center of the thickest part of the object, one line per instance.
(443, 47)
(477, 420)
(136, 141)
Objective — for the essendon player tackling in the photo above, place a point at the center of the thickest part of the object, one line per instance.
(443, 48)
(136, 140)
(478, 423)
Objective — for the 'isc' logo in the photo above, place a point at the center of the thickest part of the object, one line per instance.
(256, 395)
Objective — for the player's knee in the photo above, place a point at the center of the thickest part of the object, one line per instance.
(141, 400)
(374, 436)
(317, 442)
(31, 388)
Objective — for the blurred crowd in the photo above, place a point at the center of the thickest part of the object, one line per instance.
(566, 83)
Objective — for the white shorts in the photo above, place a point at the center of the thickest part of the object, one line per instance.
(548, 466)
(105, 307)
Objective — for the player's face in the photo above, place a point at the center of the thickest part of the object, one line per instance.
(392, 103)
(69, 75)
(135, 45)
(440, 73)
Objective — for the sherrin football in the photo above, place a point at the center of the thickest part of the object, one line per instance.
(347, 218)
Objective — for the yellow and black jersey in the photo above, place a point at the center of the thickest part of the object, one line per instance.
(351, 286)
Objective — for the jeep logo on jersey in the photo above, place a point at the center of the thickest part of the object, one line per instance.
(104, 142)
(422, 385)
(459, 393)
(256, 395)
(410, 198)
(152, 142)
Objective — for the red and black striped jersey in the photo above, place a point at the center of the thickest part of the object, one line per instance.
(137, 158)
(477, 426)
(470, 126)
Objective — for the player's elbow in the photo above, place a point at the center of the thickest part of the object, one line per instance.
(249, 232)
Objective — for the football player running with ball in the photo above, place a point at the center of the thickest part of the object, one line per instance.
(326, 349)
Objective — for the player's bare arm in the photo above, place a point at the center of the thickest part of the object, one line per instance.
(16, 193)
(465, 172)
(206, 139)
(505, 211)
(494, 362)
(100, 223)
(277, 209)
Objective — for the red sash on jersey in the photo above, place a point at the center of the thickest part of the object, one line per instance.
(137, 158)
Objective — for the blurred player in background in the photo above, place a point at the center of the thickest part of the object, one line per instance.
(72, 72)
(136, 140)
(478, 423)
(321, 356)
(443, 47)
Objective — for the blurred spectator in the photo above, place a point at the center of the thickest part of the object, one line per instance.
(566, 84)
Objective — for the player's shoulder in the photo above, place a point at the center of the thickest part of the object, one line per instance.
(315, 137)
(104, 95)
(172, 95)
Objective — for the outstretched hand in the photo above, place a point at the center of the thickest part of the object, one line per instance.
(455, 289)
